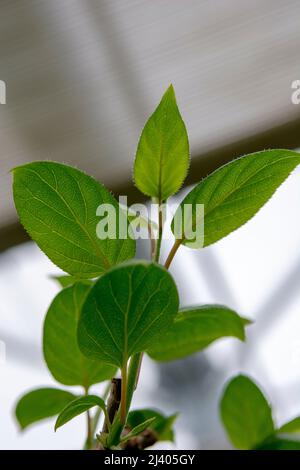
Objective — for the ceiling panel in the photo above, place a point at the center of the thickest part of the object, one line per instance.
(83, 75)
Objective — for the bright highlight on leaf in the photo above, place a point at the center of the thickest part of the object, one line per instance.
(233, 194)
(126, 310)
(57, 205)
(246, 414)
(64, 359)
(77, 407)
(196, 328)
(162, 157)
(40, 404)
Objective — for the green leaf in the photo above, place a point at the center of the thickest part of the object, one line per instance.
(232, 195)
(246, 321)
(126, 309)
(194, 329)
(64, 359)
(138, 429)
(57, 205)
(292, 426)
(163, 425)
(65, 280)
(77, 407)
(40, 404)
(245, 413)
(162, 157)
(279, 444)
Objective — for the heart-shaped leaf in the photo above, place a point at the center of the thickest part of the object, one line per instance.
(246, 414)
(162, 157)
(77, 407)
(163, 425)
(195, 328)
(40, 404)
(231, 196)
(64, 359)
(126, 309)
(57, 205)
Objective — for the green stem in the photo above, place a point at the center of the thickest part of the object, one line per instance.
(172, 253)
(99, 410)
(123, 406)
(152, 240)
(117, 426)
(160, 231)
(133, 376)
(89, 439)
(130, 378)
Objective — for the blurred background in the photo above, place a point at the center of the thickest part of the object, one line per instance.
(82, 77)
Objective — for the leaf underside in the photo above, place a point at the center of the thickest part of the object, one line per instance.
(125, 310)
(41, 404)
(64, 359)
(57, 206)
(77, 407)
(196, 328)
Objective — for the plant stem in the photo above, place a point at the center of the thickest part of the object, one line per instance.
(113, 403)
(160, 231)
(152, 240)
(172, 253)
(123, 406)
(130, 378)
(133, 376)
(117, 426)
(89, 440)
(99, 410)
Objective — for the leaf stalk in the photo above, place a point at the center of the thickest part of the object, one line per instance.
(172, 253)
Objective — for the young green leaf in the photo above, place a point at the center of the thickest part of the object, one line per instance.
(77, 407)
(40, 404)
(246, 414)
(138, 429)
(162, 157)
(292, 426)
(232, 195)
(163, 425)
(195, 328)
(64, 359)
(126, 309)
(57, 205)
